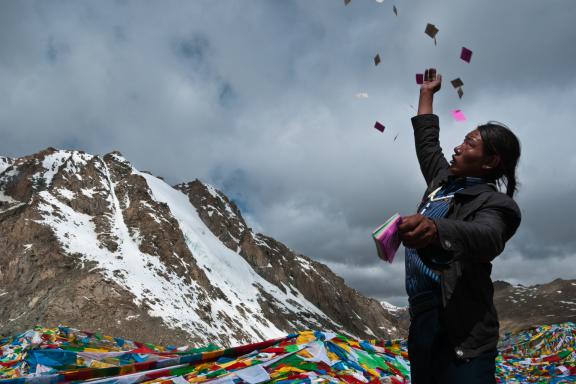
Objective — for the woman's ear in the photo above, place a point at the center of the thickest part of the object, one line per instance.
(491, 162)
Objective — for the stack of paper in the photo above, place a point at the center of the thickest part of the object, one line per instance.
(387, 239)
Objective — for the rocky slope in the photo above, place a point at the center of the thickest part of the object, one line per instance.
(91, 242)
(521, 307)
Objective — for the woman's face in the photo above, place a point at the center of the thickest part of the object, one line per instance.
(469, 159)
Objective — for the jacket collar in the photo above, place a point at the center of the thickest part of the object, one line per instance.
(477, 189)
(474, 190)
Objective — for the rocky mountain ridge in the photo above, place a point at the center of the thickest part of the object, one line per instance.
(91, 242)
(521, 307)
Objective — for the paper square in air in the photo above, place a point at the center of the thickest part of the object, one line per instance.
(458, 115)
(457, 83)
(466, 54)
(377, 59)
(346, 2)
(460, 92)
(419, 78)
(379, 126)
(395, 10)
(431, 30)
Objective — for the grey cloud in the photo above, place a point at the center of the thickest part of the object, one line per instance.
(56, 50)
(550, 231)
(192, 49)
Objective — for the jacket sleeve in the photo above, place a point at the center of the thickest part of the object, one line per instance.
(428, 150)
(480, 239)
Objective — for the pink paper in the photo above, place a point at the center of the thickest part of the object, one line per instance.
(458, 115)
(388, 239)
(379, 126)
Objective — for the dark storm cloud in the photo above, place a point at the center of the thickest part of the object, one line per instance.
(258, 99)
(548, 224)
(193, 49)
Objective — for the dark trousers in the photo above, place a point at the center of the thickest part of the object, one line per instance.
(433, 360)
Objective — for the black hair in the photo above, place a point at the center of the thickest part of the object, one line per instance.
(499, 140)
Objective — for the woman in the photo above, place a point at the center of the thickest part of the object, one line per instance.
(463, 223)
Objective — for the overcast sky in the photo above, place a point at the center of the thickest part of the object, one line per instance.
(259, 99)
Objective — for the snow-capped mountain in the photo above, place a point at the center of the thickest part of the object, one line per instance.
(91, 242)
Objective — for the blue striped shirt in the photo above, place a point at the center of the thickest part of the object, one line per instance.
(420, 278)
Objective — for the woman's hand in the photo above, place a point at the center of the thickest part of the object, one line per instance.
(432, 81)
(417, 231)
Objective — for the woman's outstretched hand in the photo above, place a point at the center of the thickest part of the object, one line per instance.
(417, 231)
(432, 81)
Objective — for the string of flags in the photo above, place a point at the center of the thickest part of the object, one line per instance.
(53, 355)
(544, 354)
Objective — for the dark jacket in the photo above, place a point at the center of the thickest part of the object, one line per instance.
(479, 222)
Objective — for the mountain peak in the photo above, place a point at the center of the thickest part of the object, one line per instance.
(155, 262)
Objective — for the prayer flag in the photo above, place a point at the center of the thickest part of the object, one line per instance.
(253, 374)
(543, 354)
